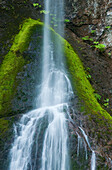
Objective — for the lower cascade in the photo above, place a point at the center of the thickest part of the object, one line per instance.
(47, 123)
(41, 135)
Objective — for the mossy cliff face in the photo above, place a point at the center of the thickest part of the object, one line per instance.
(97, 121)
(13, 63)
(83, 86)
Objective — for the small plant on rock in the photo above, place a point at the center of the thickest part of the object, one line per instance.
(101, 47)
(44, 12)
(67, 20)
(106, 104)
(97, 96)
(87, 38)
(88, 76)
(93, 31)
(35, 4)
(108, 27)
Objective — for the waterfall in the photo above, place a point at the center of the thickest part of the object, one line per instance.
(85, 140)
(47, 123)
(93, 160)
(41, 135)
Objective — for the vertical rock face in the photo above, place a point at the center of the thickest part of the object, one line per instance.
(87, 15)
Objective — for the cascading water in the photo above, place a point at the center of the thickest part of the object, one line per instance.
(41, 135)
(48, 121)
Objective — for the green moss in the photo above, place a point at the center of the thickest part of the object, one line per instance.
(4, 125)
(23, 38)
(5, 134)
(8, 71)
(13, 63)
(84, 88)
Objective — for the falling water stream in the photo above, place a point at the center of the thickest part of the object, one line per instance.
(41, 135)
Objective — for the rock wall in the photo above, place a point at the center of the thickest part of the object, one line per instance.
(92, 19)
(87, 15)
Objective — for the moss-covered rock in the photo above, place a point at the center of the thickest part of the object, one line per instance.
(13, 64)
(97, 118)
(83, 87)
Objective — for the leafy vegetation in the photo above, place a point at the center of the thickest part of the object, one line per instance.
(101, 47)
(67, 20)
(35, 4)
(108, 27)
(95, 44)
(97, 96)
(88, 68)
(106, 104)
(87, 38)
(109, 54)
(93, 31)
(88, 76)
(44, 12)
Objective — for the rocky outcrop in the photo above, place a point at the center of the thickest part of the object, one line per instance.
(89, 15)
(91, 21)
